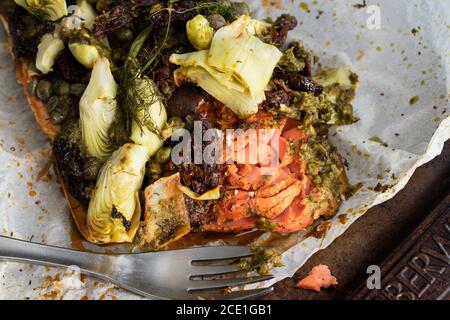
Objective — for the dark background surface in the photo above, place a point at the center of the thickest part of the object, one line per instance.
(376, 235)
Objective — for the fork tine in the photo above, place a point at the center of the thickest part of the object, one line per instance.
(214, 270)
(245, 294)
(219, 253)
(236, 295)
(224, 283)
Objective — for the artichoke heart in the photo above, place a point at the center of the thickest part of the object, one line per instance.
(232, 70)
(46, 9)
(150, 115)
(251, 61)
(200, 59)
(48, 50)
(199, 32)
(98, 108)
(85, 54)
(114, 210)
(241, 103)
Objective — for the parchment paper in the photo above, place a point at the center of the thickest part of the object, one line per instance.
(394, 63)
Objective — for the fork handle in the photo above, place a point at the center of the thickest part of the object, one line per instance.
(23, 251)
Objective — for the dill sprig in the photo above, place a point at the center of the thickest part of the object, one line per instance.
(138, 91)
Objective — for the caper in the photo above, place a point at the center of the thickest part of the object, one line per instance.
(77, 89)
(91, 167)
(163, 155)
(60, 108)
(189, 122)
(153, 170)
(66, 103)
(61, 87)
(240, 8)
(53, 103)
(175, 123)
(217, 21)
(32, 86)
(101, 5)
(44, 90)
(57, 116)
(117, 55)
(124, 35)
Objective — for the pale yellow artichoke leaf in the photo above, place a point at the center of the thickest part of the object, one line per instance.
(251, 61)
(98, 109)
(200, 59)
(212, 194)
(241, 103)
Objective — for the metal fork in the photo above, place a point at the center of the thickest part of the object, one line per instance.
(172, 274)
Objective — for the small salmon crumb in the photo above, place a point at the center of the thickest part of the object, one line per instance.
(319, 277)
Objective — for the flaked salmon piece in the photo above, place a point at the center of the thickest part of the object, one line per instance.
(295, 137)
(319, 277)
(234, 206)
(296, 168)
(304, 210)
(246, 178)
(273, 206)
(281, 182)
(293, 219)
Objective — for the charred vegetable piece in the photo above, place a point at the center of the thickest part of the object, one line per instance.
(166, 216)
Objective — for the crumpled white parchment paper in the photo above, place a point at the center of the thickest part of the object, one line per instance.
(394, 65)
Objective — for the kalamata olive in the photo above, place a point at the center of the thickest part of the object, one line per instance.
(44, 90)
(217, 21)
(184, 101)
(77, 89)
(61, 87)
(32, 86)
(91, 167)
(163, 155)
(124, 35)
